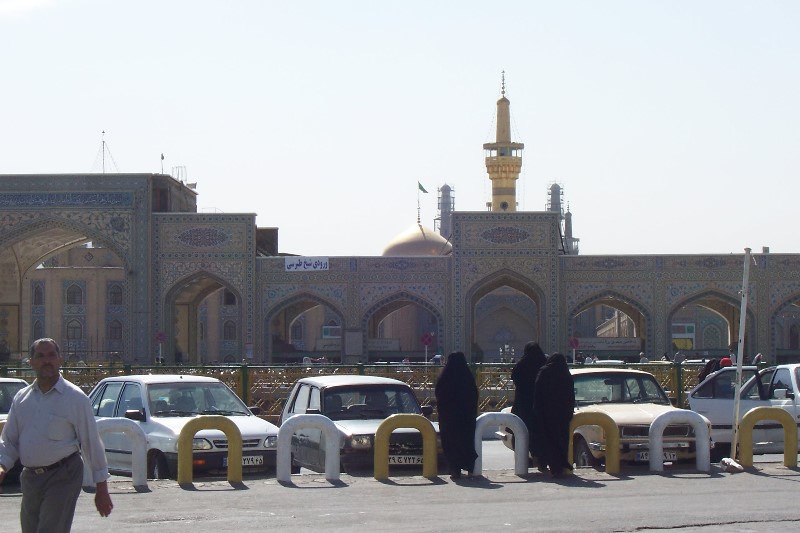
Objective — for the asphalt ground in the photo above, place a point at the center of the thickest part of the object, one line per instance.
(763, 498)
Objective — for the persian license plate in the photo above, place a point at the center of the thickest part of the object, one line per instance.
(405, 459)
(668, 456)
(247, 460)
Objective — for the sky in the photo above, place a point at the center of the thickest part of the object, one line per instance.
(673, 127)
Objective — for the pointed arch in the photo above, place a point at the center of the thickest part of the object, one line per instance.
(723, 304)
(277, 337)
(784, 330)
(634, 309)
(497, 280)
(181, 315)
(380, 310)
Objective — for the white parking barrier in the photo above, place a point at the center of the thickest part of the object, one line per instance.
(701, 436)
(138, 442)
(333, 442)
(516, 425)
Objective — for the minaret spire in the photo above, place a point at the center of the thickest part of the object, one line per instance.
(503, 162)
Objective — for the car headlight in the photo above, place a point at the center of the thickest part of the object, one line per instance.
(361, 441)
(271, 441)
(201, 444)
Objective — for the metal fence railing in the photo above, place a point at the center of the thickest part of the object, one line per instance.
(267, 387)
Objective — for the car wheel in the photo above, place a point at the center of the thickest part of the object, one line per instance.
(583, 455)
(719, 452)
(294, 469)
(157, 467)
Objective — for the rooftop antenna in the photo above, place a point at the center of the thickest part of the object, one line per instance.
(102, 155)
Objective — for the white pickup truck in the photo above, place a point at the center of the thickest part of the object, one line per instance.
(776, 386)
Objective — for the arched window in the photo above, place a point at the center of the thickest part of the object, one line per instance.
(115, 330)
(115, 295)
(228, 298)
(297, 331)
(229, 331)
(74, 295)
(38, 330)
(74, 330)
(38, 297)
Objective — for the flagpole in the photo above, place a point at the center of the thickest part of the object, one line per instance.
(740, 354)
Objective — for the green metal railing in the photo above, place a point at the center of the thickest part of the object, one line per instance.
(268, 386)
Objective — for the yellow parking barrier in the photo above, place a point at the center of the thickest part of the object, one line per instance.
(185, 451)
(430, 468)
(758, 414)
(596, 418)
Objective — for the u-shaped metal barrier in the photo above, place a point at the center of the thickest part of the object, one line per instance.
(609, 427)
(701, 437)
(758, 414)
(333, 443)
(138, 441)
(185, 451)
(516, 425)
(430, 468)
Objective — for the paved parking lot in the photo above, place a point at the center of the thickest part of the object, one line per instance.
(757, 500)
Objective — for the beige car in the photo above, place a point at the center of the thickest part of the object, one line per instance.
(633, 399)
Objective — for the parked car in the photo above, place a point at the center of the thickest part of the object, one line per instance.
(8, 388)
(776, 386)
(633, 399)
(162, 405)
(357, 405)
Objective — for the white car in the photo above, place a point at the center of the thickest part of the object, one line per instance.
(162, 405)
(633, 399)
(773, 387)
(357, 405)
(8, 388)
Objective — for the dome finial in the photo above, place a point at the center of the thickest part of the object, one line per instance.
(503, 83)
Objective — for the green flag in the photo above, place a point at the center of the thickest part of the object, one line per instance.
(421, 188)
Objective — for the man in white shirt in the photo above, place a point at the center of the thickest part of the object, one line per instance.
(50, 427)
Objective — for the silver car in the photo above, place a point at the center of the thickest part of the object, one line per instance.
(162, 405)
(357, 405)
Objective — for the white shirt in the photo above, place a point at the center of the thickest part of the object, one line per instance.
(43, 428)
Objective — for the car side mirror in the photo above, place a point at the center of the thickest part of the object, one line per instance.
(135, 414)
(256, 410)
(781, 394)
(427, 411)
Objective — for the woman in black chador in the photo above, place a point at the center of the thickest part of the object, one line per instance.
(524, 376)
(553, 403)
(457, 401)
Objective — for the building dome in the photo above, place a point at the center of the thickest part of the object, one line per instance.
(418, 240)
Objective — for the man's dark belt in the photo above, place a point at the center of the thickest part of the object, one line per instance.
(43, 469)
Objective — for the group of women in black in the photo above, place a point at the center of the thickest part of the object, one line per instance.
(544, 399)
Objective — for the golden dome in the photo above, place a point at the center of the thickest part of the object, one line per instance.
(418, 240)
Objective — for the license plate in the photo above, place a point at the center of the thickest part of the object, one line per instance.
(668, 456)
(247, 460)
(405, 459)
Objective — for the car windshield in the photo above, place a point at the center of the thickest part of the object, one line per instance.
(7, 392)
(617, 388)
(186, 399)
(349, 403)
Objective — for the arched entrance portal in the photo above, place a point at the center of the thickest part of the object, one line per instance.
(54, 277)
(785, 325)
(505, 313)
(402, 327)
(304, 328)
(707, 325)
(610, 326)
(205, 323)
